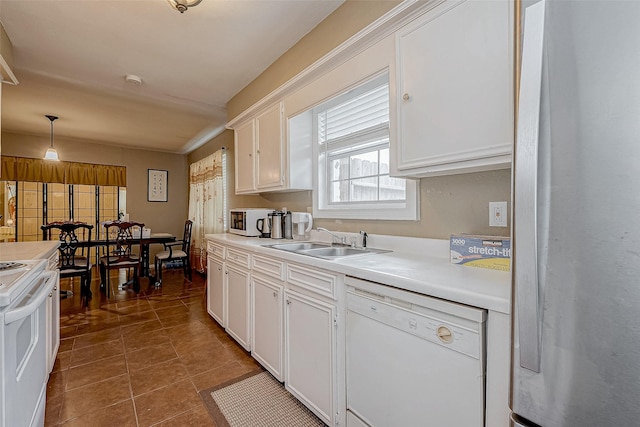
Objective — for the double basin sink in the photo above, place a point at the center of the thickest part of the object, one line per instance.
(320, 250)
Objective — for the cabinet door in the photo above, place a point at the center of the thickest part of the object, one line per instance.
(266, 333)
(215, 289)
(53, 326)
(270, 149)
(238, 303)
(245, 146)
(455, 95)
(310, 353)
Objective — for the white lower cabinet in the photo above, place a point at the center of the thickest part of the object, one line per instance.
(267, 323)
(53, 316)
(286, 314)
(215, 289)
(53, 326)
(310, 353)
(238, 321)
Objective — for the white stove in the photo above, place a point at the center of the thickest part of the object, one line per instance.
(15, 276)
(27, 290)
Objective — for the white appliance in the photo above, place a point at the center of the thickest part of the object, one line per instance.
(576, 229)
(25, 287)
(243, 221)
(412, 360)
(302, 224)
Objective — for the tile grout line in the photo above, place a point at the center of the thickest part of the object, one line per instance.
(126, 361)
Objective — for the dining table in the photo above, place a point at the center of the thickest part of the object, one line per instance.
(153, 238)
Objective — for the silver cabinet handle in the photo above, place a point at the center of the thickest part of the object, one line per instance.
(275, 294)
(406, 97)
(527, 286)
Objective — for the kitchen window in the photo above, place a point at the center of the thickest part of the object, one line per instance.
(351, 148)
(28, 205)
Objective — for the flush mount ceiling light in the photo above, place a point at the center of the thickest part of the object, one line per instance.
(51, 153)
(133, 79)
(182, 5)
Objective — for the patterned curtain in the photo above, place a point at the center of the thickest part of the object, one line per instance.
(207, 204)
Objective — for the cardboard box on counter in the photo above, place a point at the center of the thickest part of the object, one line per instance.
(493, 252)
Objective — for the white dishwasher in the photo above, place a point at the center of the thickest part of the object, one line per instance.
(412, 360)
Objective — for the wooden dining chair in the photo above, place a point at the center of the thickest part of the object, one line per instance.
(176, 251)
(73, 253)
(122, 250)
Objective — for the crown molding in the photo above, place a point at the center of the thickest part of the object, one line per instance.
(368, 36)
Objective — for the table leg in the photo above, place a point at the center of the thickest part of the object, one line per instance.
(145, 260)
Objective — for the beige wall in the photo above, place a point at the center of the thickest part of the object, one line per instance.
(343, 23)
(160, 217)
(449, 204)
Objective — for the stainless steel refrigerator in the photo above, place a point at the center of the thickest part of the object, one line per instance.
(576, 348)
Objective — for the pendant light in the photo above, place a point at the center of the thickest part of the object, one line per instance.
(51, 153)
(182, 5)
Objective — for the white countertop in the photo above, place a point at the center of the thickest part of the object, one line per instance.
(418, 265)
(14, 251)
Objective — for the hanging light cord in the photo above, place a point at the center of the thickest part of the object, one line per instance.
(52, 119)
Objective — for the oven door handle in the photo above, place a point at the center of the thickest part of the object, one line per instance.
(45, 285)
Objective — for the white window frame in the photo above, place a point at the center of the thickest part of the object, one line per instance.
(406, 210)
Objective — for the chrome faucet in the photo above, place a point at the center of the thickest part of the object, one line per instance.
(364, 238)
(342, 239)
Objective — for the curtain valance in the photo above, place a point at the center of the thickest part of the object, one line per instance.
(38, 170)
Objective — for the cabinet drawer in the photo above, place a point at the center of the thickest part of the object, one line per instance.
(216, 250)
(271, 267)
(240, 258)
(319, 281)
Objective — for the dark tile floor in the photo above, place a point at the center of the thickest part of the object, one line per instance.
(140, 359)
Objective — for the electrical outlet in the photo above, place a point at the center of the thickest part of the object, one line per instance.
(497, 214)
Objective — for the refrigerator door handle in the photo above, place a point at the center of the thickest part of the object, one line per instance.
(526, 191)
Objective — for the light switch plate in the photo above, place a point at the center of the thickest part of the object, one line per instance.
(497, 214)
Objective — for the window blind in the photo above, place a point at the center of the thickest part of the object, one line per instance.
(367, 111)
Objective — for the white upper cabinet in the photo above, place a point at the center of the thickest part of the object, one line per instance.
(454, 98)
(245, 146)
(270, 149)
(266, 160)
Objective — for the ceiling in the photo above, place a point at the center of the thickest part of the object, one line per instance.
(71, 58)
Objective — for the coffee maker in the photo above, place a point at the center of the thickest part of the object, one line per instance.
(302, 223)
(277, 227)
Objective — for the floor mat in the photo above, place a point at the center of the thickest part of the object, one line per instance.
(256, 400)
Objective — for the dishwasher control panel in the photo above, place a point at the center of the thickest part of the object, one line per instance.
(445, 323)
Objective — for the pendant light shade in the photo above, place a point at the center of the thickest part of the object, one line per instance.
(51, 153)
(182, 5)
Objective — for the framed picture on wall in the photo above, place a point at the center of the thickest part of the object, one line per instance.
(157, 182)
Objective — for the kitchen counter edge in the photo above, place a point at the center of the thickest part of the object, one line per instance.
(17, 251)
(427, 272)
